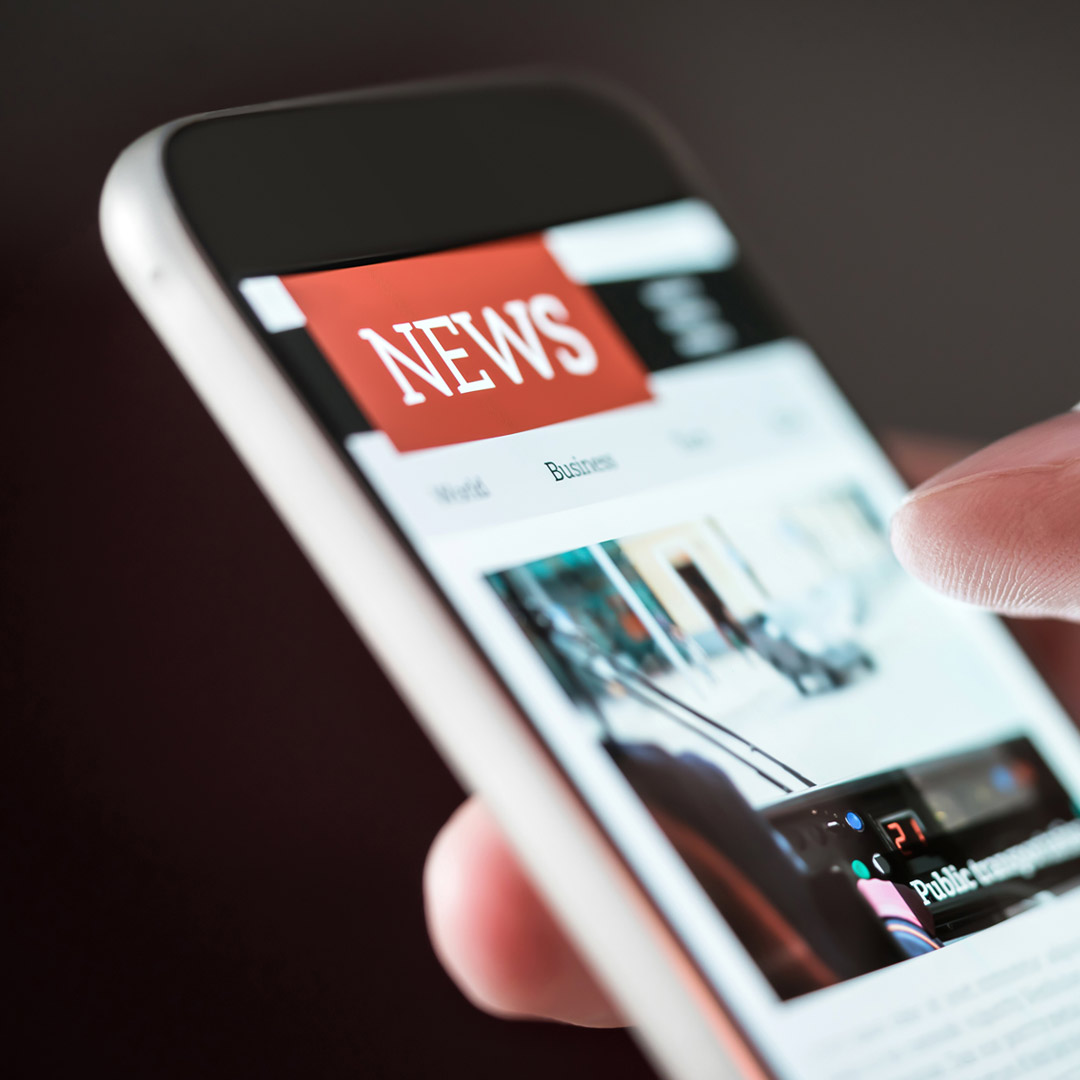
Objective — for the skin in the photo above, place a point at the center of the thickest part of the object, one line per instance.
(997, 528)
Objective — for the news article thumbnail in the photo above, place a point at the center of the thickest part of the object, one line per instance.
(699, 655)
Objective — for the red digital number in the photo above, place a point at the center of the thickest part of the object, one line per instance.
(899, 836)
(905, 832)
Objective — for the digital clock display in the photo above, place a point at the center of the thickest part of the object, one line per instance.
(904, 832)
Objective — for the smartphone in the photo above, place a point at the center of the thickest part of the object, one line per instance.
(505, 372)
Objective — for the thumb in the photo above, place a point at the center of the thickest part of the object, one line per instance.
(1001, 528)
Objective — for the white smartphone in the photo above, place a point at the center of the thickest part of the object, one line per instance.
(501, 366)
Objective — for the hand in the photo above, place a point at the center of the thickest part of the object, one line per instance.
(998, 529)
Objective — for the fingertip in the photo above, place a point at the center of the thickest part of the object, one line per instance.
(929, 539)
(997, 529)
(494, 935)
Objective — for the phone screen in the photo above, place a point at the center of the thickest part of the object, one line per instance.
(853, 801)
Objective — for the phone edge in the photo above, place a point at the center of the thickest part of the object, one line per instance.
(476, 726)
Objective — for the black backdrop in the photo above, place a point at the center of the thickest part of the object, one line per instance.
(215, 812)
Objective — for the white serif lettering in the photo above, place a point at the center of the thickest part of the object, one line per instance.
(506, 343)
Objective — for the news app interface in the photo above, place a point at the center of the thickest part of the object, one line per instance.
(662, 522)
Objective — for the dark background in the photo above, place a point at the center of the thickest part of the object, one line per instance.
(215, 811)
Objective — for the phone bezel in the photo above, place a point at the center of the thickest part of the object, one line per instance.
(421, 168)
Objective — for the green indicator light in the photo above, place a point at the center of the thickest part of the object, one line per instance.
(860, 868)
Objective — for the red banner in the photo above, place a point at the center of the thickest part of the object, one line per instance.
(468, 344)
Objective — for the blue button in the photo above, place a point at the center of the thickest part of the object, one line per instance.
(854, 821)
